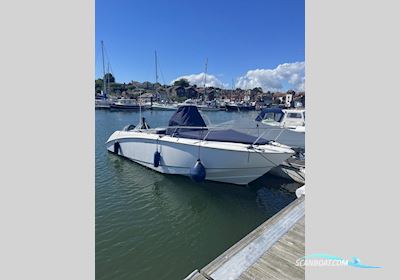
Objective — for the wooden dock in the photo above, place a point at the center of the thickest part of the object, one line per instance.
(268, 252)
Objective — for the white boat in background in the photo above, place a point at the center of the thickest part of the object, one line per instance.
(126, 104)
(208, 106)
(164, 106)
(189, 101)
(291, 169)
(188, 147)
(102, 103)
(293, 119)
(285, 125)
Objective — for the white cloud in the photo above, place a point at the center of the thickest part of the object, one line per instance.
(198, 79)
(287, 75)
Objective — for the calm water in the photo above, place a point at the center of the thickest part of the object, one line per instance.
(154, 226)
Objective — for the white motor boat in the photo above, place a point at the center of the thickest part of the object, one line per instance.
(189, 101)
(293, 119)
(208, 107)
(126, 104)
(188, 147)
(285, 125)
(164, 106)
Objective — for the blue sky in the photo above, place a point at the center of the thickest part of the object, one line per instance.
(235, 36)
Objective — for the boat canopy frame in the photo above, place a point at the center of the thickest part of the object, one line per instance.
(275, 111)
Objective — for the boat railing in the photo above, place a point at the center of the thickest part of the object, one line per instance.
(266, 132)
(262, 132)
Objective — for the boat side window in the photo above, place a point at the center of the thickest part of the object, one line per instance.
(269, 116)
(294, 115)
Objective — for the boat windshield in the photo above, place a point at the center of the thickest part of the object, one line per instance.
(270, 115)
(273, 117)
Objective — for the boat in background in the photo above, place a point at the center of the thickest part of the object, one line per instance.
(188, 147)
(286, 136)
(192, 102)
(164, 106)
(126, 104)
(292, 122)
(102, 102)
(292, 119)
(292, 169)
(161, 105)
(208, 106)
(240, 107)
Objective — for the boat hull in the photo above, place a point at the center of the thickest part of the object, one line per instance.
(235, 166)
(287, 172)
(102, 104)
(102, 107)
(118, 107)
(125, 107)
(163, 108)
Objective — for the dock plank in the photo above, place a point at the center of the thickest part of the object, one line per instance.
(268, 252)
(279, 261)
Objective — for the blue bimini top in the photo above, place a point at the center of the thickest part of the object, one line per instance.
(187, 115)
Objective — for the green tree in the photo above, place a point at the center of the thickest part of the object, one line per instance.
(98, 85)
(257, 90)
(182, 82)
(147, 85)
(109, 78)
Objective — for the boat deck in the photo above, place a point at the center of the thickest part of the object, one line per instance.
(268, 252)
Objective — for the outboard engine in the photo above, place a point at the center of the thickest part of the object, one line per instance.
(198, 172)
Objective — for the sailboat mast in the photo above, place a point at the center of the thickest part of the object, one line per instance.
(108, 77)
(104, 69)
(205, 79)
(155, 60)
(155, 86)
(233, 86)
